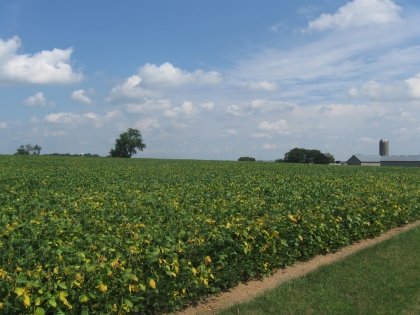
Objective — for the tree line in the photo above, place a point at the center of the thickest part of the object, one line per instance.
(300, 155)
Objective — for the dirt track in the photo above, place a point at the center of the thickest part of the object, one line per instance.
(246, 292)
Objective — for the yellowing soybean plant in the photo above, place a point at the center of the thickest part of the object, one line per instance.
(117, 236)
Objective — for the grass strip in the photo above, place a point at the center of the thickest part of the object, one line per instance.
(382, 279)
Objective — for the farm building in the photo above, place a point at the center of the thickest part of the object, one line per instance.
(400, 160)
(365, 160)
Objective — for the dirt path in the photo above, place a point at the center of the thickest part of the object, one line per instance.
(245, 292)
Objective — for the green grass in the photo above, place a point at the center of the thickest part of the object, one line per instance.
(383, 279)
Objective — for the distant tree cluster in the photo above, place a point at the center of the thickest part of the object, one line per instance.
(300, 155)
(28, 149)
(247, 159)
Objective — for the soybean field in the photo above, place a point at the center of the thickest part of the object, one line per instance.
(146, 236)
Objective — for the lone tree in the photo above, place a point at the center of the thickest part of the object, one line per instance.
(127, 144)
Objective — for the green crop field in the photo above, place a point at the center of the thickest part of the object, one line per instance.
(117, 236)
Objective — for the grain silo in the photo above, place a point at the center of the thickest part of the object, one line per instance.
(383, 147)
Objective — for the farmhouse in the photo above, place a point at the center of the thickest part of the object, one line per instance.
(365, 160)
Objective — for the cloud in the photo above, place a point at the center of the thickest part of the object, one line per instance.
(307, 11)
(261, 135)
(3, 125)
(168, 75)
(319, 127)
(324, 109)
(34, 120)
(262, 86)
(87, 118)
(269, 146)
(152, 80)
(261, 106)
(130, 90)
(357, 14)
(230, 132)
(353, 92)
(207, 106)
(147, 124)
(414, 86)
(277, 27)
(234, 110)
(149, 105)
(57, 133)
(402, 90)
(187, 110)
(369, 140)
(38, 100)
(79, 96)
(46, 67)
(265, 106)
(280, 127)
(401, 130)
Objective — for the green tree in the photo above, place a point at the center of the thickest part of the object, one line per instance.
(21, 150)
(127, 144)
(36, 149)
(300, 155)
(28, 149)
(246, 158)
(295, 155)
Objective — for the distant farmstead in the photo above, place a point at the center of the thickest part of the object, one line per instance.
(384, 159)
(389, 160)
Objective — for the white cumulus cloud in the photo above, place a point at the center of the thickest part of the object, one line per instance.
(414, 86)
(261, 135)
(357, 14)
(234, 110)
(46, 67)
(262, 86)
(152, 80)
(81, 97)
(207, 106)
(76, 119)
(280, 127)
(149, 105)
(265, 106)
(187, 109)
(168, 75)
(401, 90)
(3, 125)
(130, 90)
(37, 100)
(147, 124)
(269, 146)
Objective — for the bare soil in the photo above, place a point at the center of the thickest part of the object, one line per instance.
(247, 291)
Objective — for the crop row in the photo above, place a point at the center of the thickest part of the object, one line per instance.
(108, 236)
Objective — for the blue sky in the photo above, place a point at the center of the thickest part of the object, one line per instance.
(211, 79)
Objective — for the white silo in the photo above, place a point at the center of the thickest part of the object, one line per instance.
(383, 147)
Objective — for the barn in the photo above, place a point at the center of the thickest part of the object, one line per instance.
(400, 160)
(365, 160)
